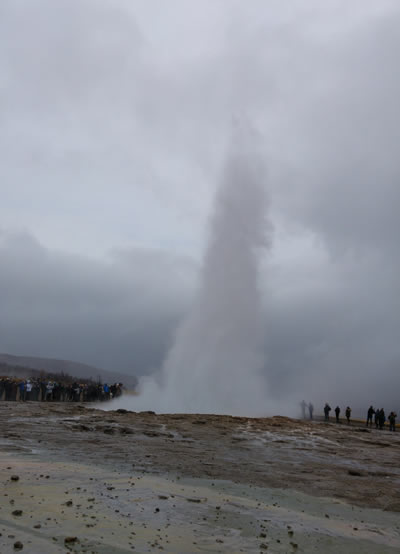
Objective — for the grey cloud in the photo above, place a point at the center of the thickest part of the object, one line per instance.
(346, 172)
(119, 314)
(330, 331)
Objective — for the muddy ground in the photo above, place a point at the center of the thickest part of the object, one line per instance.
(110, 482)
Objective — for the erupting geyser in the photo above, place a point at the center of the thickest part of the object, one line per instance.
(215, 363)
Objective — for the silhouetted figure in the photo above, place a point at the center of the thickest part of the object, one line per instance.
(348, 414)
(49, 391)
(21, 388)
(28, 390)
(327, 409)
(337, 412)
(382, 418)
(370, 413)
(310, 410)
(377, 419)
(303, 406)
(392, 421)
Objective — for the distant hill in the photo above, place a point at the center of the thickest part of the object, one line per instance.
(20, 365)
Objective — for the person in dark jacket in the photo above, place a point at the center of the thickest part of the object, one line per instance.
(377, 419)
(337, 412)
(370, 413)
(392, 421)
(327, 409)
(348, 414)
(382, 418)
(22, 389)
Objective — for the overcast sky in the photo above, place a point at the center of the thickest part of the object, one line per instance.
(115, 118)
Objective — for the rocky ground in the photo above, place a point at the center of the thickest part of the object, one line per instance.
(77, 479)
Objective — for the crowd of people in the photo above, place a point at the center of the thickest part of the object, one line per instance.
(50, 390)
(378, 417)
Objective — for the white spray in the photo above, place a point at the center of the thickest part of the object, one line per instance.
(216, 361)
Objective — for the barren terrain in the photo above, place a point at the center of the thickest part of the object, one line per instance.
(115, 482)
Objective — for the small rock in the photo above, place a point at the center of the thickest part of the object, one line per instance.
(70, 540)
(355, 473)
(18, 545)
(14, 477)
(17, 513)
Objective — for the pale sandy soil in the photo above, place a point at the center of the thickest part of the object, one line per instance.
(126, 482)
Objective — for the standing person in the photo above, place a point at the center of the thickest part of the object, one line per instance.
(327, 409)
(382, 418)
(392, 421)
(370, 413)
(77, 392)
(21, 387)
(49, 391)
(310, 410)
(303, 406)
(377, 419)
(337, 412)
(28, 390)
(348, 414)
(35, 390)
(43, 390)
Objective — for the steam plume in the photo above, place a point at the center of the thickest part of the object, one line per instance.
(214, 365)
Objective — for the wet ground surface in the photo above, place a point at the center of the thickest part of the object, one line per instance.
(123, 482)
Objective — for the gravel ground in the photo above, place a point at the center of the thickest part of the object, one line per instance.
(114, 482)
